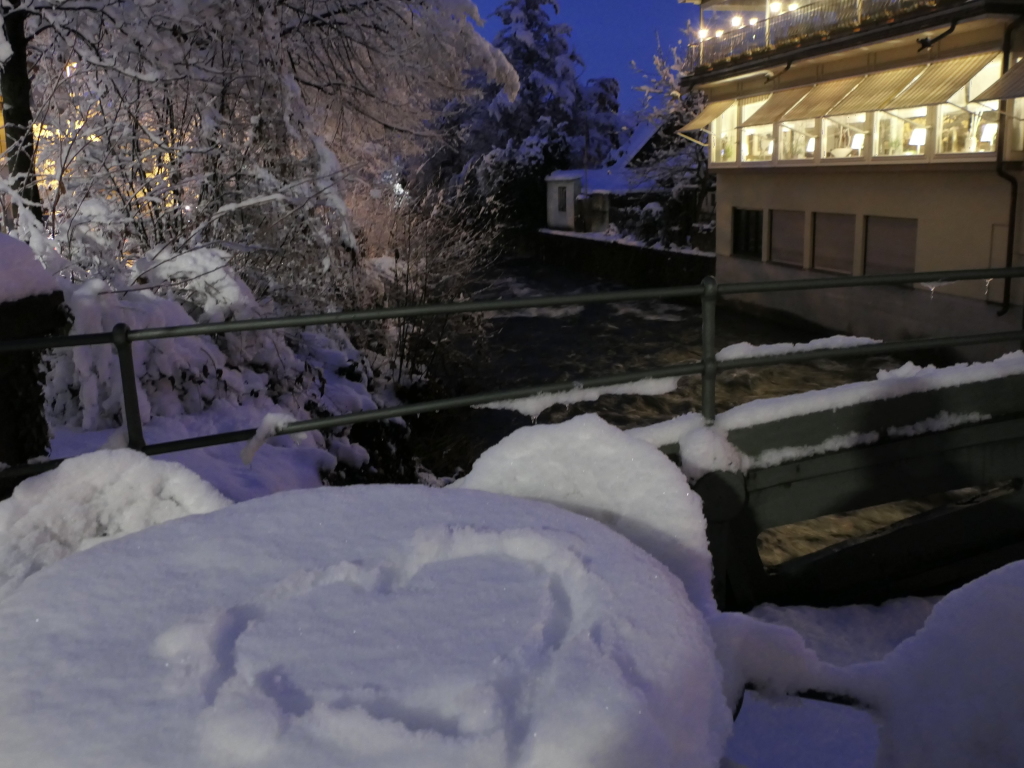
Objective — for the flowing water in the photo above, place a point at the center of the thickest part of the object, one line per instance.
(570, 343)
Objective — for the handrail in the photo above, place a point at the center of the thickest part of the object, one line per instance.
(816, 20)
(708, 366)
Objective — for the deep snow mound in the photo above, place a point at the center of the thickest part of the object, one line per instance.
(595, 469)
(90, 499)
(361, 626)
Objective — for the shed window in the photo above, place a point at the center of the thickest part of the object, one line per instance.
(891, 245)
(562, 203)
(788, 238)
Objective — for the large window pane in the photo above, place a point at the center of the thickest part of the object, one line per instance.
(788, 238)
(724, 132)
(845, 135)
(902, 132)
(798, 140)
(891, 245)
(967, 126)
(756, 142)
(833, 242)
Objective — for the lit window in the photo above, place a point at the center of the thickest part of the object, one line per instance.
(902, 132)
(756, 141)
(798, 140)
(968, 126)
(723, 132)
(845, 136)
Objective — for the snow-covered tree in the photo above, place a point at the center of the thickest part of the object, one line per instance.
(507, 146)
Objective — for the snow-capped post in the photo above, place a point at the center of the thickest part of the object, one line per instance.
(31, 305)
(129, 395)
(707, 334)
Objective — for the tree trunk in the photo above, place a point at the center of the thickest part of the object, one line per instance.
(17, 88)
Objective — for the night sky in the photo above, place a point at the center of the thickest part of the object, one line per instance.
(609, 34)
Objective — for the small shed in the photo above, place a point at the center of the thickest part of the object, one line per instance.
(563, 189)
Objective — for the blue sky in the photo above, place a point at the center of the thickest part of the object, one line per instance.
(609, 34)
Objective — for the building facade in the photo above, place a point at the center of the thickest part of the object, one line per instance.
(882, 136)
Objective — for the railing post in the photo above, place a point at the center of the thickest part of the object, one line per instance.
(129, 396)
(708, 302)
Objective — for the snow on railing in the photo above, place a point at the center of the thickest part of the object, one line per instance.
(809, 23)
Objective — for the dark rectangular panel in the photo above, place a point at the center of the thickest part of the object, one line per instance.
(747, 226)
(788, 238)
(833, 242)
(891, 245)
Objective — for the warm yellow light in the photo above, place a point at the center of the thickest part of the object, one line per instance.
(811, 143)
(793, 6)
(775, 7)
(753, 19)
(918, 137)
(737, 21)
(719, 32)
(702, 33)
(858, 141)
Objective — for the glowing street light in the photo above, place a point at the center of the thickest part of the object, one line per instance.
(719, 32)
(702, 33)
(753, 19)
(737, 21)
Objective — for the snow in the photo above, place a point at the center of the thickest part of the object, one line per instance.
(23, 275)
(364, 626)
(590, 467)
(97, 497)
(746, 349)
(705, 449)
(279, 464)
(534, 406)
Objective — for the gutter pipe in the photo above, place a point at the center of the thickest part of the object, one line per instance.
(1000, 163)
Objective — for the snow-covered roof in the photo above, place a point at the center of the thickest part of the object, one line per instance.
(564, 176)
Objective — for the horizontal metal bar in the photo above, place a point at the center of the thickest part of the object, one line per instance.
(206, 441)
(55, 342)
(21, 471)
(774, 286)
(428, 407)
(867, 350)
(498, 305)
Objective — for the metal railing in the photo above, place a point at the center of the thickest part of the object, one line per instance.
(815, 21)
(709, 292)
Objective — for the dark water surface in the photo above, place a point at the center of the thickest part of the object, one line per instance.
(571, 343)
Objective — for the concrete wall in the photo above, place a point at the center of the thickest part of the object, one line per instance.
(962, 211)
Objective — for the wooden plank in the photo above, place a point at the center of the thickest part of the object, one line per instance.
(926, 554)
(999, 398)
(878, 474)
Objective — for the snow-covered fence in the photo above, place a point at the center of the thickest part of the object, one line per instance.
(708, 292)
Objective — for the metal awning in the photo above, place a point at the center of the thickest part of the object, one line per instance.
(1009, 86)
(778, 104)
(822, 98)
(877, 90)
(711, 111)
(940, 81)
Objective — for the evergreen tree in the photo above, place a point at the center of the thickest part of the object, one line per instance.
(502, 148)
